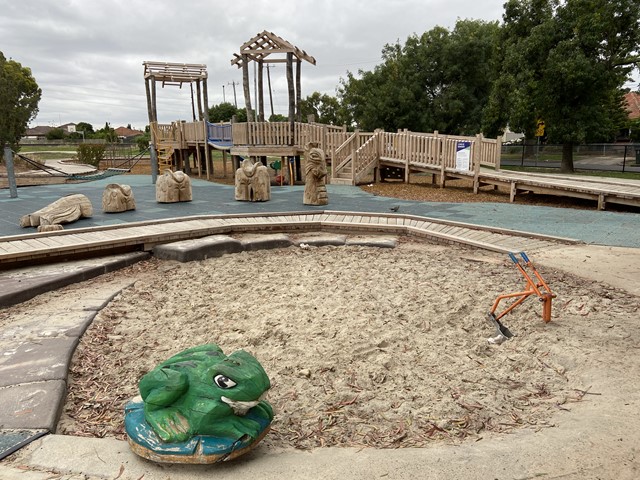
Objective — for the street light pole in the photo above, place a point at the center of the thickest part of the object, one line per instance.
(224, 98)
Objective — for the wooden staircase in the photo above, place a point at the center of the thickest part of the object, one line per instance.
(165, 157)
(354, 159)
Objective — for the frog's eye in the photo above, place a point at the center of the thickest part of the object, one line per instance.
(224, 382)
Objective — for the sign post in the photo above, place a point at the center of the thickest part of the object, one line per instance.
(463, 155)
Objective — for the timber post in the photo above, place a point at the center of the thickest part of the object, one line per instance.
(292, 98)
(245, 87)
(11, 173)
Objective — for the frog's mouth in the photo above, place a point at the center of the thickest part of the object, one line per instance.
(240, 407)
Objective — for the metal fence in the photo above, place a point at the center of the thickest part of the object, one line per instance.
(611, 157)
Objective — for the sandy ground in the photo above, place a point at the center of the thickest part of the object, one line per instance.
(370, 347)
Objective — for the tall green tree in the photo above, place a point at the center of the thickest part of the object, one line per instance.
(439, 80)
(85, 127)
(19, 97)
(108, 133)
(223, 112)
(565, 63)
(325, 108)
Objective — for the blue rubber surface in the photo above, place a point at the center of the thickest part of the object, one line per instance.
(590, 226)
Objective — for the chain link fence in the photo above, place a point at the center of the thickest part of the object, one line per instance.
(606, 157)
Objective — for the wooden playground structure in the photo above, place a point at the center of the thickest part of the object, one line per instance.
(353, 157)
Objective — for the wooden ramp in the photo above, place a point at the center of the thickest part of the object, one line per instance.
(49, 247)
(601, 189)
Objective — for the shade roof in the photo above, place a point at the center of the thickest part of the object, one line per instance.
(174, 73)
(265, 44)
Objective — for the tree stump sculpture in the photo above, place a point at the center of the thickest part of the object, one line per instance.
(117, 198)
(315, 171)
(253, 183)
(173, 187)
(64, 210)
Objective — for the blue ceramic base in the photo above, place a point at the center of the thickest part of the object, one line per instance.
(198, 449)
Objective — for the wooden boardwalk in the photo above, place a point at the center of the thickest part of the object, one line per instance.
(600, 189)
(49, 247)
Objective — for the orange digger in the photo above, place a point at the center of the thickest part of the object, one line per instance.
(535, 286)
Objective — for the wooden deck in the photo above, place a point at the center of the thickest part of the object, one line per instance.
(49, 247)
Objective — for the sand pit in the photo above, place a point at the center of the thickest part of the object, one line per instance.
(370, 347)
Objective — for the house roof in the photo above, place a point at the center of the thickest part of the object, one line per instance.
(632, 100)
(127, 132)
(38, 130)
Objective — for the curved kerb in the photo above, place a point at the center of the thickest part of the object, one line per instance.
(47, 247)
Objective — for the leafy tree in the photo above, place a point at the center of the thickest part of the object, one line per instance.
(19, 97)
(565, 63)
(55, 134)
(85, 127)
(108, 133)
(276, 117)
(225, 111)
(142, 141)
(325, 108)
(439, 80)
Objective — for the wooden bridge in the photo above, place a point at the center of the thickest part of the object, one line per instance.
(358, 157)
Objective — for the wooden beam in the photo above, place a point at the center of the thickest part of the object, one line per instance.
(199, 95)
(298, 90)
(154, 111)
(147, 88)
(260, 93)
(246, 88)
(205, 99)
(291, 88)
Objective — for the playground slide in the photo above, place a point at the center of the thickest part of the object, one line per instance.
(220, 144)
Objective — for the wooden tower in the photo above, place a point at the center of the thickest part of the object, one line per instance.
(176, 74)
(266, 48)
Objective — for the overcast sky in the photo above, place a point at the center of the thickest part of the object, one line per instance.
(87, 55)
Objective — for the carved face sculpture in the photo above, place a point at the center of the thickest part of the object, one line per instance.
(201, 391)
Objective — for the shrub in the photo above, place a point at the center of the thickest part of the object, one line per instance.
(91, 154)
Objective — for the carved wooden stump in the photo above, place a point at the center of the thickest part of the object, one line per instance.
(173, 187)
(315, 171)
(253, 183)
(64, 210)
(117, 198)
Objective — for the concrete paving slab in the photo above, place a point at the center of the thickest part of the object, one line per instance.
(252, 242)
(32, 405)
(198, 248)
(19, 285)
(47, 360)
(321, 239)
(373, 241)
(32, 326)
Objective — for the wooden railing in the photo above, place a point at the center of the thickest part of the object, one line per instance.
(220, 132)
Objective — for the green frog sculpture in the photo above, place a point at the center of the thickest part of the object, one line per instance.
(200, 406)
